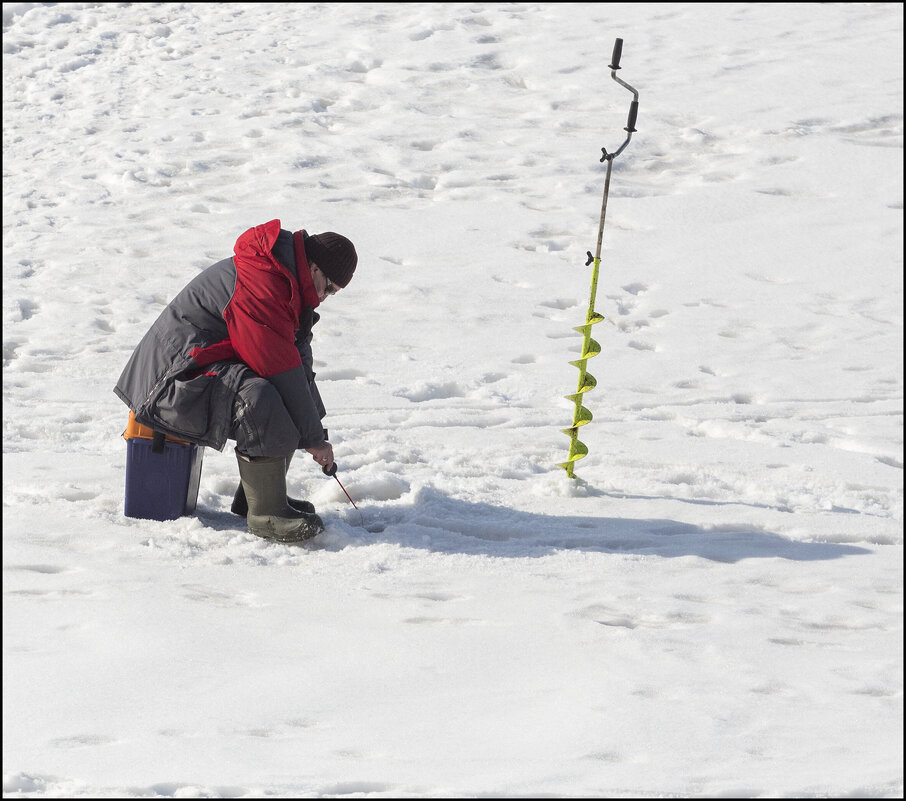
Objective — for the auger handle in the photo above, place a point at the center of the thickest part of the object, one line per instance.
(617, 55)
(633, 106)
(633, 113)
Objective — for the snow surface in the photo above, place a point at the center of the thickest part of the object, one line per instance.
(713, 608)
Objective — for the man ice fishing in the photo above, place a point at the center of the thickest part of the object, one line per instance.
(230, 359)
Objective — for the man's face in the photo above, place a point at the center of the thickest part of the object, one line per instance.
(323, 285)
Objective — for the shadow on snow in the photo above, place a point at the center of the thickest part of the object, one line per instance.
(436, 522)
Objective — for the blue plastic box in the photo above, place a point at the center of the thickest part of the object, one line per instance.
(161, 486)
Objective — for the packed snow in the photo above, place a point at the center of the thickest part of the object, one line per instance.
(713, 607)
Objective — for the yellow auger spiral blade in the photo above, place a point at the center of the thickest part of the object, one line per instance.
(590, 348)
(587, 382)
(581, 415)
(576, 451)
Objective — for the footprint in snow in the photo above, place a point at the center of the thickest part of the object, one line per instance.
(428, 391)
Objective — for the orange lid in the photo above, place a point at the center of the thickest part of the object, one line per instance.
(137, 430)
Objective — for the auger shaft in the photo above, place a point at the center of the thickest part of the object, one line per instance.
(590, 348)
(594, 275)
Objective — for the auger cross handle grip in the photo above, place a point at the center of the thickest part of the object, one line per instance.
(633, 106)
(617, 55)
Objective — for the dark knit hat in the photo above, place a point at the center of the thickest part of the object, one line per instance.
(334, 254)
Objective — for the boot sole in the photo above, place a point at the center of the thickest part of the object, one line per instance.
(267, 528)
(299, 506)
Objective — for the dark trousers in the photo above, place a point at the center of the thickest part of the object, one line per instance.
(260, 423)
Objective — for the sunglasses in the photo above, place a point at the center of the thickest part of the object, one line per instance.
(329, 286)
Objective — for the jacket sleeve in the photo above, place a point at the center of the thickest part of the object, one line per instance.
(303, 344)
(302, 406)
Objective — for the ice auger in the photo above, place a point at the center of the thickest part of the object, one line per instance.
(590, 348)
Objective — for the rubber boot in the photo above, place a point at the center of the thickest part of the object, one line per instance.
(269, 515)
(241, 507)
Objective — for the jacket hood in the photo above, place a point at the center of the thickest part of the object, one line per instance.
(258, 242)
